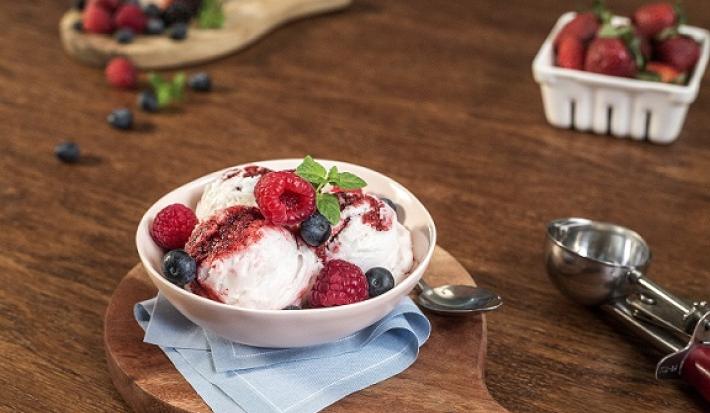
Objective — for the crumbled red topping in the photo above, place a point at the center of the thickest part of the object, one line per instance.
(224, 233)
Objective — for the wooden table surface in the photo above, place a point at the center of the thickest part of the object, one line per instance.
(438, 95)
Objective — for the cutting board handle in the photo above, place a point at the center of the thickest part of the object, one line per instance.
(279, 11)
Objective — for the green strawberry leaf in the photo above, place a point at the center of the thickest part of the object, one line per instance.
(312, 171)
(601, 11)
(211, 15)
(649, 76)
(329, 207)
(346, 180)
(667, 33)
(681, 15)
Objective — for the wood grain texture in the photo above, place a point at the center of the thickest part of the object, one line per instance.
(246, 21)
(445, 374)
(439, 98)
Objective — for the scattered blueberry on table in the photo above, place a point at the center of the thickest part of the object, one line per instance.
(67, 152)
(148, 101)
(121, 118)
(200, 82)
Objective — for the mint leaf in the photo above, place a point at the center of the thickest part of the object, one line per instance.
(346, 180)
(333, 175)
(329, 207)
(312, 171)
(177, 86)
(211, 15)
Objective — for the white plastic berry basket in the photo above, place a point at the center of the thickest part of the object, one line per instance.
(641, 110)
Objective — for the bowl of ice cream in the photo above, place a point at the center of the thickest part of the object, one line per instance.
(249, 270)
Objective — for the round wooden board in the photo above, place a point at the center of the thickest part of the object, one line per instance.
(448, 376)
(245, 22)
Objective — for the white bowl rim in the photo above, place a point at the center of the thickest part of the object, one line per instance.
(332, 310)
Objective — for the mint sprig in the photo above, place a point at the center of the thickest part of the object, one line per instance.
(326, 203)
(167, 92)
(211, 15)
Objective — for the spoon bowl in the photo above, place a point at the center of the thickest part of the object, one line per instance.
(457, 299)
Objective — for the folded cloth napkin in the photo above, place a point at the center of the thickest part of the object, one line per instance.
(232, 377)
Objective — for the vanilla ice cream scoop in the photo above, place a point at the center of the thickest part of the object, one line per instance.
(244, 261)
(369, 236)
(234, 187)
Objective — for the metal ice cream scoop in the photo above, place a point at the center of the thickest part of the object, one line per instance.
(601, 264)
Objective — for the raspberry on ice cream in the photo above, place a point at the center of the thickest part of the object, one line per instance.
(234, 187)
(339, 283)
(285, 198)
(172, 226)
(369, 236)
(244, 260)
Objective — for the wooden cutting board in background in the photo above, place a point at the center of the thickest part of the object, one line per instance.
(245, 22)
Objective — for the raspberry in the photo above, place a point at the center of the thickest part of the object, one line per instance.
(97, 19)
(132, 17)
(121, 73)
(339, 283)
(284, 198)
(173, 226)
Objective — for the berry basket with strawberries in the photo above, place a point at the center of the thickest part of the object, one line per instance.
(625, 77)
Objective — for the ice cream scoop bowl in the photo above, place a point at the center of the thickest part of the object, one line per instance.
(278, 328)
(602, 264)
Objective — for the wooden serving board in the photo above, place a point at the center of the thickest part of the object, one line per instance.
(448, 376)
(245, 22)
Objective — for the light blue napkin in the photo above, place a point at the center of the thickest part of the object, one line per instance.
(231, 377)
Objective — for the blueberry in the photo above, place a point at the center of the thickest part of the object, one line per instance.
(177, 12)
(315, 230)
(147, 101)
(178, 31)
(200, 82)
(155, 26)
(67, 152)
(79, 4)
(292, 307)
(380, 280)
(179, 268)
(121, 118)
(78, 26)
(152, 10)
(124, 35)
(389, 202)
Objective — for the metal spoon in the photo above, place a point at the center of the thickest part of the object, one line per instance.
(457, 299)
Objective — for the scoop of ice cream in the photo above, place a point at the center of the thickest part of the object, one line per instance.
(234, 187)
(245, 261)
(369, 236)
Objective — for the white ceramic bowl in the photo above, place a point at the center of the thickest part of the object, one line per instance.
(278, 328)
(616, 105)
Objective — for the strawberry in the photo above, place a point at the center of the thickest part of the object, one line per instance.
(130, 16)
(97, 19)
(121, 73)
(610, 56)
(666, 73)
(652, 19)
(570, 53)
(108, 5)
(681, 52)
(583, 27)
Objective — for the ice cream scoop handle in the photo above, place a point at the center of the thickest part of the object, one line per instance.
(696, 370)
